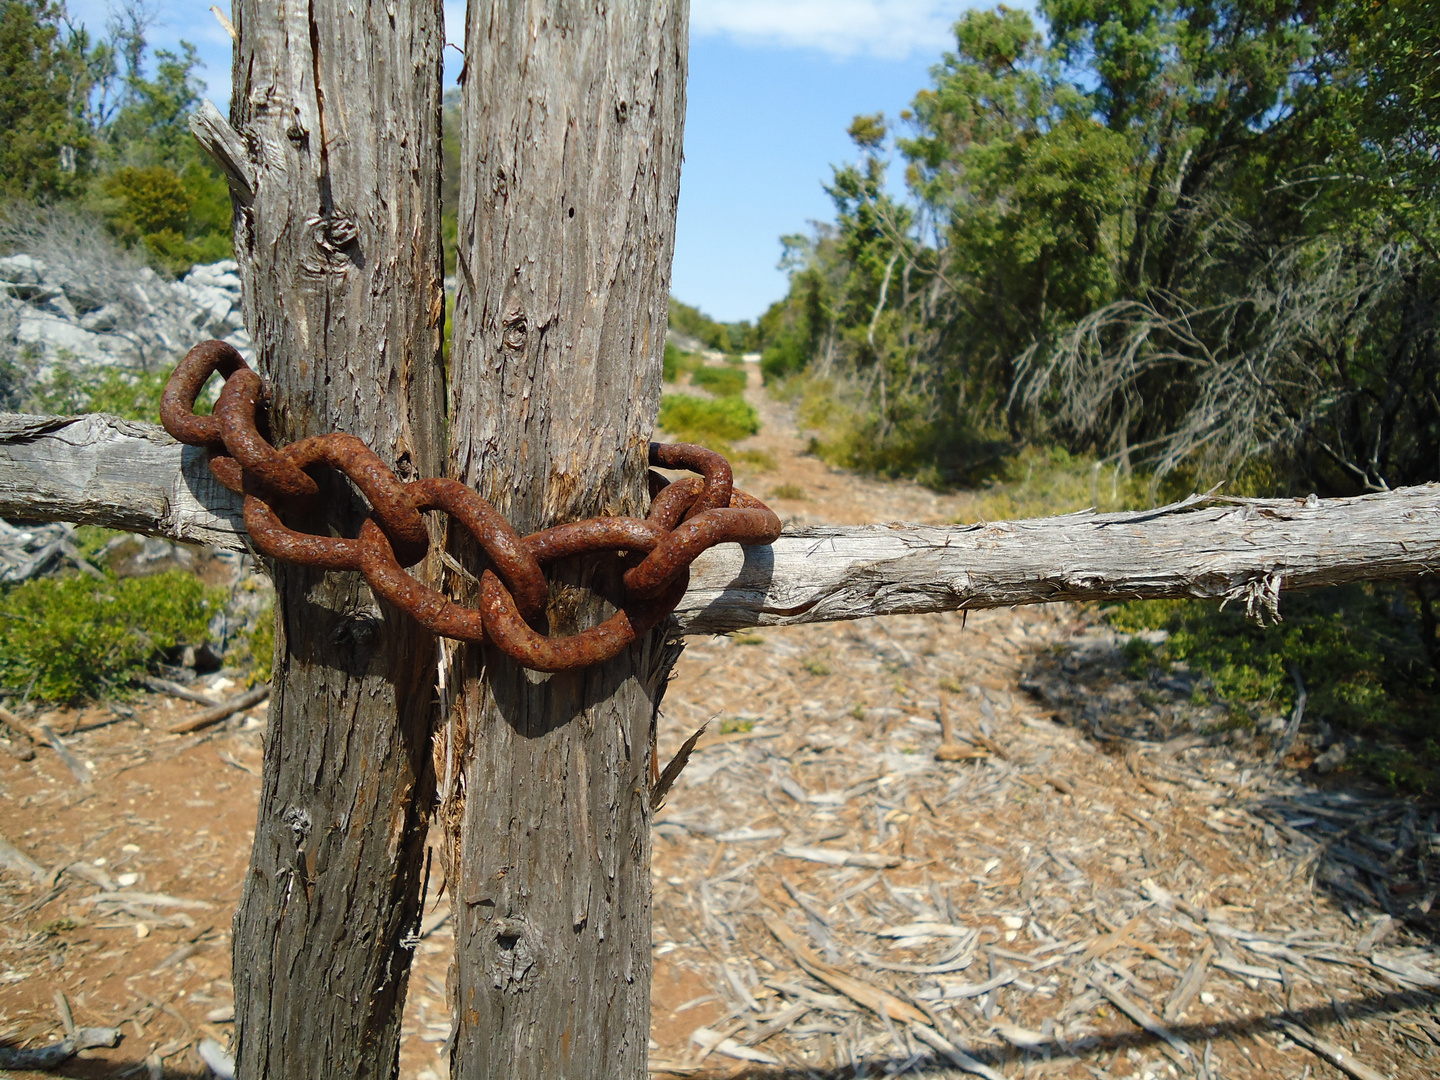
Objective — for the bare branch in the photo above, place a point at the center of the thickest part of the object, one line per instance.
(105, 471)
(101, 470)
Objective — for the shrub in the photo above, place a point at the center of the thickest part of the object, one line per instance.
(759, 460)
(720, 381)
(711, 423)
(678, 361)
(785, 358)
(1358, 648)
(73, 639)
(177, 217)
(256, 651)
(727, 337)
(128, 394)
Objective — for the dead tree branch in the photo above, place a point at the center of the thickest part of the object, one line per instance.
(104, 471)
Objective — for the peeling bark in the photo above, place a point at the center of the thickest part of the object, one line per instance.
(339, 249)
(570, 152)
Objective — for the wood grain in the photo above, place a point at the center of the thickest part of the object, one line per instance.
(338, 108)
(570, 168)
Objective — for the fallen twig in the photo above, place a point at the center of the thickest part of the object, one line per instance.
(836, 857)
(175, 690)
(1341, 1059)
(1174, 1047)
(154, 899)
(214, 715)
(77, 768)
(42, 733)
(961, 1060)
(47, 1057)
(16, 859)
(881, 1002)
(1189, 985)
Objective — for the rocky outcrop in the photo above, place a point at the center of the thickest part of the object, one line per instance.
(67, 312)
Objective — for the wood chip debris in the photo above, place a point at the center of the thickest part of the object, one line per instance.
(1038, 893)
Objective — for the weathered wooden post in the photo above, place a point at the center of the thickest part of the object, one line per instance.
(570, 156)
(337, 108)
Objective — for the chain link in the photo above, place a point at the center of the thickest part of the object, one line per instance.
(686, 517)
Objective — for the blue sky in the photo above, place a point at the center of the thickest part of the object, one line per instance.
(773, 85)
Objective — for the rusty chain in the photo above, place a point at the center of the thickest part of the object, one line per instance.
(686, 517)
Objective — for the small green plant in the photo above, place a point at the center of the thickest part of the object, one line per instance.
(678, 362)
(1140, 657)
(712, 423)
(256, 651)
(732, 337)
(816, 665)
(720, 381)
(789, 491)
(129, 395)
(734, 727)
(90, 540)
(743, 638)
(951, 685)
(1359, 650)
(63, 925)
(74, 639)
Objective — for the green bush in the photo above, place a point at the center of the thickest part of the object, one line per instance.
(176, 216)
(73, 639)
(722, 382)
(785, 358)
(1358, 648)
(678, 362)
(727, 337)
(759, 460)
(711, 423)
(131, 395)
(256, 652)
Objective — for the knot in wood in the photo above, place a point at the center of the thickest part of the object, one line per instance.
(518, 952)
(334, 232)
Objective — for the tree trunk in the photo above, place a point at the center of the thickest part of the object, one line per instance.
(339, 104)
(570, 156)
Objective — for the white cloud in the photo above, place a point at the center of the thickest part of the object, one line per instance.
(888, 28)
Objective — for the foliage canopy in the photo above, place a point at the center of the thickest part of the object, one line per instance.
(81, 121)
(1190, 238)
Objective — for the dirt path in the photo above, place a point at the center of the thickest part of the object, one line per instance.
(1084, 887)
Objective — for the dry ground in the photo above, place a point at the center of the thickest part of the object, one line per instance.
(1088, 885)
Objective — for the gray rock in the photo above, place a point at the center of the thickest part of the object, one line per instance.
(86, 304)
(51, 333)
(61, 305)
(103, 319)
(22, 269)
(221, 275)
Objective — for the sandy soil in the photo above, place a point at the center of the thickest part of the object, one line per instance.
(1087, 884)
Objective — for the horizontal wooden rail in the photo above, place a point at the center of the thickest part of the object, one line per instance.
(100, 470)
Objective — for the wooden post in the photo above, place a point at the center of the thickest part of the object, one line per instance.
(338, 106)
(570, 154)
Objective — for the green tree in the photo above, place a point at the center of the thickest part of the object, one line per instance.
(45, 79)
(1193, 236)
(158, 190)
